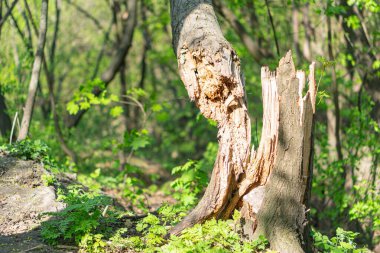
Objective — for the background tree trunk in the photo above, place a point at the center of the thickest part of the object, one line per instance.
(5, 120)
(29, 104)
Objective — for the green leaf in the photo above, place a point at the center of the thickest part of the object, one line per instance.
(72, 108)
(116, 111)
(156, 108)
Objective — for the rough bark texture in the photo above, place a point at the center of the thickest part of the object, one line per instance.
(281, 216)
(29, 104)
(210, 70)
(270, 185)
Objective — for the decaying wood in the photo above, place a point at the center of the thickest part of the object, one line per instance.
(271, 184)
(210, 70)
(281, 216)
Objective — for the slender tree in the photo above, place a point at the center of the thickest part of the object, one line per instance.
(29, 104)
(5, 120)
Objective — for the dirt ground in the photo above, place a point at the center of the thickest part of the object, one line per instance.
(23, 197)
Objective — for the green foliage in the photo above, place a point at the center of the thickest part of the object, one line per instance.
(343, 242)
(152, 230)
(371, 5)
(367, 208)
(191, 182)
(28, 150)
(212, 236)
(361, 143)
(80, 221)
(39, 151)
(193, 177)
(48, 179)
(134, 140)
(132, 188)
(84, 97)
(92, 243)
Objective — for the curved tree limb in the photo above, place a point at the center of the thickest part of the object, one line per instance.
(117, 60)
(10, 9)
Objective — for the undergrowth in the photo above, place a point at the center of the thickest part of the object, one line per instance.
(91, 221)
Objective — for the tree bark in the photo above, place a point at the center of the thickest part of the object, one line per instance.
(5, 120)
(272, 185)
(281, 215)
(29, 105)
(210, 70)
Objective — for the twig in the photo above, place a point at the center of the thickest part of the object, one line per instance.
(40, 246)
(66, 247)
(137, 217)
(8, 12)
(87, 14)
(274, 30)
(31, 17)
(13, 127)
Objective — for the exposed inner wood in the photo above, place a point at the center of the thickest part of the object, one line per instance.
(279, 174)
(269, 184)
(210, 70)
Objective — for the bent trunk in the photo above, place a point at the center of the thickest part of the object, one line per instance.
(210, 70)
(270, 186)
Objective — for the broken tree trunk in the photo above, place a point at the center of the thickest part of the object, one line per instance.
(280, 172)
(270, 186)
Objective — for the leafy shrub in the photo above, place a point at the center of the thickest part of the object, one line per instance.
(28, 150)
(80, 221)
(343, 242)
(212, 236)
(193, 177)
(191, 182)
(92, 243)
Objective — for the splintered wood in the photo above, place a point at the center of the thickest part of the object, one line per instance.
(278, 176)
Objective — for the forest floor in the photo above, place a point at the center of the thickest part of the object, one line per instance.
(24, 196)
